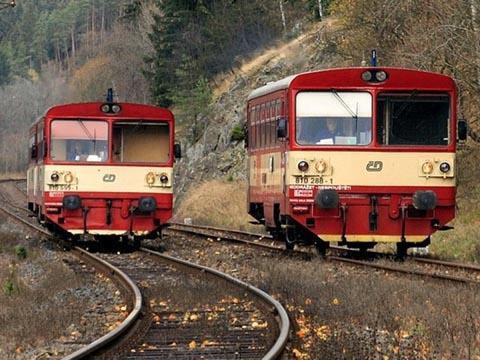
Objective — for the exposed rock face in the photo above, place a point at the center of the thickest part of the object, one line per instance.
(215, 156)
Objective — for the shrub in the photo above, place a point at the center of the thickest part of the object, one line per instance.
(238, 133)
(21, 252)
(8, 287)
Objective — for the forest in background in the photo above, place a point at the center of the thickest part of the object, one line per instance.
(168, 52)
(151, 51)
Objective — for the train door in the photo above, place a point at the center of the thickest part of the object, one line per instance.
(269, 162)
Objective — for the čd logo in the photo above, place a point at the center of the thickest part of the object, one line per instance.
(109, 178)
(374, 166)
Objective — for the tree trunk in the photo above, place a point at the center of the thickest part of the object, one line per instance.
(73, 41)
(102, 27)
(282, 12)
(320, 10)
(473, 8)
(93, 24)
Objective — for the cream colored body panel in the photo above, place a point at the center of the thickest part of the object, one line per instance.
(349, 168)
(107, 178)
(265, 170)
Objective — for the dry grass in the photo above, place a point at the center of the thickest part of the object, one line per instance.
(462, 242)
(217, 203)
(14, 175)
(343, 315)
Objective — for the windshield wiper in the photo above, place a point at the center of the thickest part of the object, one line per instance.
(406, 104)
(85, 130)
(345, 105)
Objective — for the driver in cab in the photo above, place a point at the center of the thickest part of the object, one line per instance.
(327, 134)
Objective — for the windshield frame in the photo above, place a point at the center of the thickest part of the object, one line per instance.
(76, 120)
(157, 122)
(351, 113)
(412, 95)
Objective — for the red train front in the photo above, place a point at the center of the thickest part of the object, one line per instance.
(356, 156)
(103, 169)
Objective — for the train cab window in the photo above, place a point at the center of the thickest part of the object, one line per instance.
(141, 142)
(334, 118)
(79, 140)
(413, 119)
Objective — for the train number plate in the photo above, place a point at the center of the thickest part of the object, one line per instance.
(57, 193)
(311, 180)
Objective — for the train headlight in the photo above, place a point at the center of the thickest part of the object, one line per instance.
(116, 108)
(150, 178)
(445, 167)
(164, 178)
(55, 177)
(381, 76)
(105, 108)
(68, 177)
(303, 166)
(427, 167)
(321, 166)
(367, 76)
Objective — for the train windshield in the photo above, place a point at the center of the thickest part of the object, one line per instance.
(141, 142)
(413, 119)
(79, 140)
(334, 118)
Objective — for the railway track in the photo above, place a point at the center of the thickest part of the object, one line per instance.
(413, 266)
(234, 319)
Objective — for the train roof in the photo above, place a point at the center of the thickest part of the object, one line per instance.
(93, 109)
(285, 83)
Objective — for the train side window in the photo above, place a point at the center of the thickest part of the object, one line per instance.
(40, 144)
(33, 147)
(267, 125)
(251, 129)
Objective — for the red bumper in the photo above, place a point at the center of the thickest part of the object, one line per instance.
(109, 213)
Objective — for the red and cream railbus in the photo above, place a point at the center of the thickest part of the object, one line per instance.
(103, 169)
(356, 156)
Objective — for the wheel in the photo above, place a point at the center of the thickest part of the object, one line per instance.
(290, 239)
(401, 252)
(137, 243)
(321, 247)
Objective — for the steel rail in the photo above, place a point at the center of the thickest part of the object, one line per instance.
(453, 265)
(126, 324)
(457, 265)
(114, 272)
(284, 322)
(404, 271)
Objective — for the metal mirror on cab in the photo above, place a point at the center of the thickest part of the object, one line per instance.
(34, 152)
(462, 130)
(281, 128)
(177, 151)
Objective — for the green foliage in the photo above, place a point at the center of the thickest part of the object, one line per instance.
(8, 287)
(20, 252)
(192, 102)
(211, 36)
(238, 133)
(44, 30)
